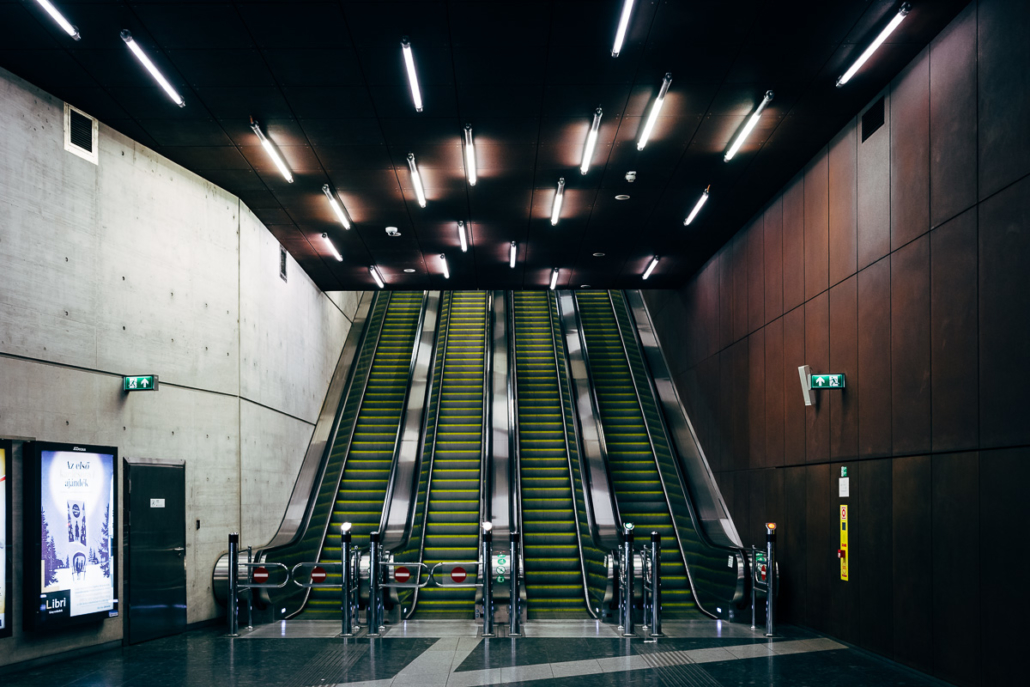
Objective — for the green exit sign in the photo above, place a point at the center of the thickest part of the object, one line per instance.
(139, 383)
(828, 381)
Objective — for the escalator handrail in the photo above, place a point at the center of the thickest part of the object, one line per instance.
(654, 453)
(516, 430)
(673, 406)
(316, 459)
(445, 331)
(556, 341)
(594, 469)
(402, 522)
(485, 464)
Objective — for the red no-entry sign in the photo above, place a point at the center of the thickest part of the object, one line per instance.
(401, 574)
(458, 574)
(260, 575)
(317, 575)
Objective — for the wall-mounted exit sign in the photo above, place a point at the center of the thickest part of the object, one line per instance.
(140, 383)
(828, 381)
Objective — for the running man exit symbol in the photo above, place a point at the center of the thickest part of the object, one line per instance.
(834, 381)
(139, 383)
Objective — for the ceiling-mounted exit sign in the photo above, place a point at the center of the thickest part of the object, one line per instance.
(139, 383)
(828, 381)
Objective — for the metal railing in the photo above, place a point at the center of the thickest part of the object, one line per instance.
(765, 581)
(256, 570)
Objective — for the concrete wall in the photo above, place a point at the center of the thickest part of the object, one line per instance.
(901, 261)
(137, 266)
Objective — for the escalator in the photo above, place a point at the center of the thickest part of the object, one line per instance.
(367, 456)
(453, 505)
(631, 451)
(553, 561)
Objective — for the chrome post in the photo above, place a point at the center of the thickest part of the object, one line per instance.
(488, 597)
(375, 594)
(233, 603)
(345, 581)
(627, 589)
(754, 584)
(770, 576)
(514, 616)
(250, 604)
(656, 590)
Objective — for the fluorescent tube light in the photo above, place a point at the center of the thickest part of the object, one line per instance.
(59, 18)
(470, 156)
(620, 34)
(374, 271)
(461, 236)
(868, 52)
(556, 206)
(416, 180)
(513, 250)
(409, 64)
(588, 152)
(329, 244)
(697, 208)
(650, 267)
(446, 271)
(554, 278)
(746, 131)
(271, 150)
(158, 76)
(655, 109)
(337, 206)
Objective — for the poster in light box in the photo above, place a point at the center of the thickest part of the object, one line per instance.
(77, 575)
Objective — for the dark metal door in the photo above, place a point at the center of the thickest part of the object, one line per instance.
(155, 548)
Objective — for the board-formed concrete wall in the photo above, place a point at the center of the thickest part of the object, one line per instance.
(137, 266)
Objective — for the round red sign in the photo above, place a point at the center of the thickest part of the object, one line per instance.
(260, 575)
(401, 574)
(317, 575)
(458, 574)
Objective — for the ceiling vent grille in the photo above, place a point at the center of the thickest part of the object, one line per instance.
(80, 134)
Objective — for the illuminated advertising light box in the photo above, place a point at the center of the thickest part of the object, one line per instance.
(71, 549)
(6, 578)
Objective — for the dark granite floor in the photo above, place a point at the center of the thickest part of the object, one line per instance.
(795, 658)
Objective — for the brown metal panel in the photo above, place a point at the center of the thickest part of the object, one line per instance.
(843, 207)
(1004, 475)
(844, 404)
(755, 274)
(875, 566)
(742, 501)
(757, 490)
(756, 399)
(773, 250)
(1004, 229)
(874, 190)
(725, 296)
(792, 537)
(794, 243)
(874, 360)
(956, 532)
(708, 397)
(817, 259)
(910, 152)
(722, 425)
(738, 419)
(817, 355)
(910, 347)
(953, 335)
(953, 118)
(774, 399)
(820, 545)
(738, 267)
(793, 401)
(844, 595)
(1004, 109)
(913, 599)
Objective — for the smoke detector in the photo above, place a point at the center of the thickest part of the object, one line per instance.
(631, 176)
(393, 232)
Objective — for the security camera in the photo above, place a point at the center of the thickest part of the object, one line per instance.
(393, 231)
(631, 176)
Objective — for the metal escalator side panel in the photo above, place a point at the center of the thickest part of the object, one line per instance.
(601, 506)
(718, 540)
(501, 505)
(401, 492)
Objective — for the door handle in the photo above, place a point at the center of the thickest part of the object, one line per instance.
(179, 548)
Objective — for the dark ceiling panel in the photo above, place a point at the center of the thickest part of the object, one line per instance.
(328, 84)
